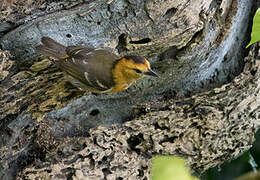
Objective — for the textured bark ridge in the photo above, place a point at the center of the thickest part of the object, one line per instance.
(192, 51)
(207, 129)
(50, 129)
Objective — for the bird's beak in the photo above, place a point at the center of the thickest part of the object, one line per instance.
(150, 72)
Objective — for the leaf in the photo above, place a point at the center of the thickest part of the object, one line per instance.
(255, 34)
(170, 168)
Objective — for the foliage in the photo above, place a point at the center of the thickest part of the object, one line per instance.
(170, 168)
(255, 35)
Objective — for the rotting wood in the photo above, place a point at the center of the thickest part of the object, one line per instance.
(40, 111)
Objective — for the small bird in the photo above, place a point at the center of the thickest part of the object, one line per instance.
(96, 70)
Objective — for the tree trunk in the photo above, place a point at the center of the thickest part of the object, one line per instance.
(51, 130)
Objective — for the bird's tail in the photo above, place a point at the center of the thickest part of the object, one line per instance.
(51, 48)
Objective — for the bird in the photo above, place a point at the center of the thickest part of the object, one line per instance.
(96, 70)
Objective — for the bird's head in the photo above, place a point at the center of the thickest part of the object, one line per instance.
(135, 67)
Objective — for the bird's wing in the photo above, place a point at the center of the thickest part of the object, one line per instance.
(91, 67)
(78, 51)
(101, 63)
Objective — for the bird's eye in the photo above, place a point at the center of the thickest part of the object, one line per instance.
(138, 71)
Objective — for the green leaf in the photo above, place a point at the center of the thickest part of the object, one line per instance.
(170, 168)
(255, 35)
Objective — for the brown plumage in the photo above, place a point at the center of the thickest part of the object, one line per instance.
(95, 70)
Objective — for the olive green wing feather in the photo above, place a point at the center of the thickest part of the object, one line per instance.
(78, 51)
(101, 63)
(91, 67)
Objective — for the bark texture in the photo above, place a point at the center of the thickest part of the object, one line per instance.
(207, 129)
(50, 130)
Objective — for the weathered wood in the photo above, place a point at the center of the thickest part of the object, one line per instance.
(207, 129)
(194, 45)
(213, 52)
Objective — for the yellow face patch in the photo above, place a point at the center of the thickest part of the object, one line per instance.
(128, 70)
(125, 72)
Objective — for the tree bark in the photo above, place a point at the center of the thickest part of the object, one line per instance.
(50, 130)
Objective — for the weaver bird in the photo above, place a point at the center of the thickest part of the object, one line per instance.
(96, 70)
